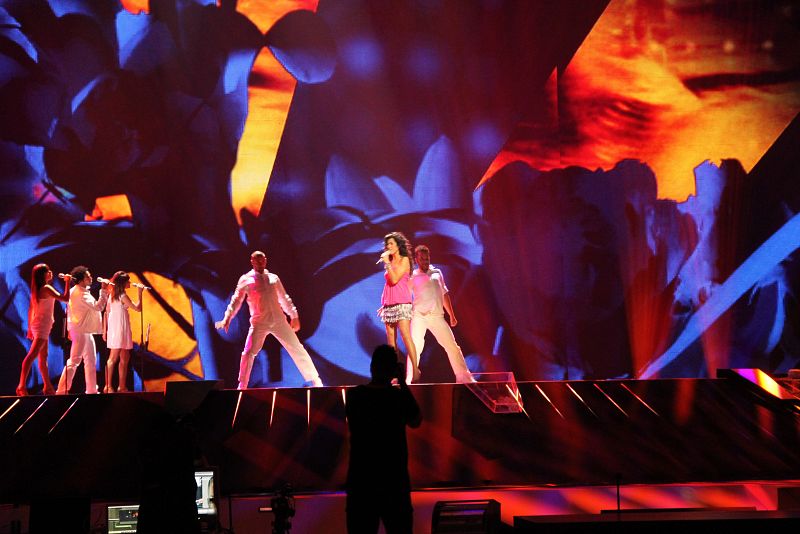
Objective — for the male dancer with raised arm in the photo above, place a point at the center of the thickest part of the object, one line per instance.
(269, 305)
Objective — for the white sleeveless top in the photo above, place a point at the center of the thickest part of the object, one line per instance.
(42, 320)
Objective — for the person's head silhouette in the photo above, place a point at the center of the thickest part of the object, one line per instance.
(384, 365)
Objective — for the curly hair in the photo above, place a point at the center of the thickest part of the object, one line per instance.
(403, 244)
(79, 273)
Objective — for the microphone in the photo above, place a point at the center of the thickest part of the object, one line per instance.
(63, 276)
(104, 280)
(134, 284)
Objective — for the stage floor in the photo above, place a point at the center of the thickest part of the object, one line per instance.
(570, 434)
(325, 512)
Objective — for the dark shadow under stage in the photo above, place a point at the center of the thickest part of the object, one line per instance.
(578, 433)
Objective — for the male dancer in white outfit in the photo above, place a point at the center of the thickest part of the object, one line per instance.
(268, 303)
(83, 320)
(431, 299)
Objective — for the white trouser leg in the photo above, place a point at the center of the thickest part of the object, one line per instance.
(82, 346)
(252, 346)
(245, 368)
(65, 382)
(444, 336)
(90, 364)
(288, 338)
(418, 329)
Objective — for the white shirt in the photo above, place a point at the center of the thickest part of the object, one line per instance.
(429, 290)
(266, 297)
(83, 311)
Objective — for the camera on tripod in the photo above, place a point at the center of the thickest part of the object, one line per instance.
(282, 507)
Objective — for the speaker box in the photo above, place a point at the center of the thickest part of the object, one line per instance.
(467, 517)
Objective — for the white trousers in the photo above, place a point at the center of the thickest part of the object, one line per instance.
(288, 338)
(83, 350)
(420, 324)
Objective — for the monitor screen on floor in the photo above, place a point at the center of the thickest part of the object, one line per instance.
(206, 488)
(123, 519)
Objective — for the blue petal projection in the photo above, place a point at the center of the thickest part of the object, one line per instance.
(303, 45)
(760, 269)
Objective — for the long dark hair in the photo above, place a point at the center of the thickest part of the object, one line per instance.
(38, 280)
(403, 245)
(120, 280)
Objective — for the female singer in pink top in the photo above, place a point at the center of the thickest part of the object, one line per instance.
(395, 310)
(40, 322)
(117, 330)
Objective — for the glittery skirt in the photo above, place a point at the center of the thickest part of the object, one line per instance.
(393, 313)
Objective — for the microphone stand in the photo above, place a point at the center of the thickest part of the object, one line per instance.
(142, 343)
(65, 341)
(142, 347)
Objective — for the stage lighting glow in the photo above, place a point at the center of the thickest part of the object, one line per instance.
(362, 56)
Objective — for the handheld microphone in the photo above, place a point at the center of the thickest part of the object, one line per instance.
(134, 284)
(104, 280)
(63, 276)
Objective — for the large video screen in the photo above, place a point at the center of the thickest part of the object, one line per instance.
(609, 187)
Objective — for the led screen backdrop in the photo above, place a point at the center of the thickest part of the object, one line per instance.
(610, 187)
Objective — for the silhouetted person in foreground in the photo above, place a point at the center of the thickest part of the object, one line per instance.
(378, 484)
(168, 494)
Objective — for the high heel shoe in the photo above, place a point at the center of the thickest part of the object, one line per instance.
(108, 389)
(21, 391)
(415, 375)
(49, 391)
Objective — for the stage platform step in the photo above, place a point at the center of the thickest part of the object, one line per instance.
(655, 521)
(571, 433)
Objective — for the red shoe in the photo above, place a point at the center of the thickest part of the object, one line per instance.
(21, 391)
